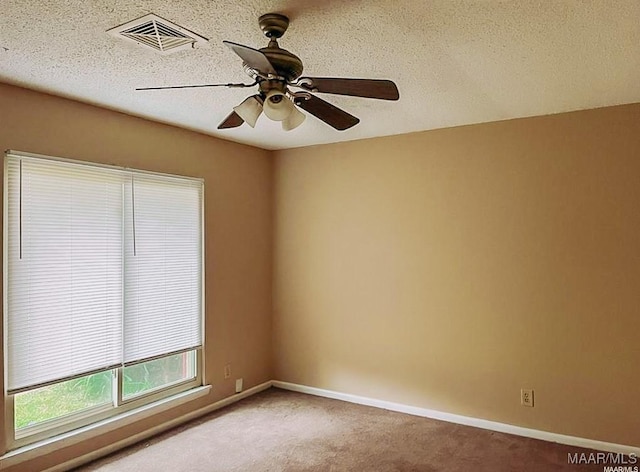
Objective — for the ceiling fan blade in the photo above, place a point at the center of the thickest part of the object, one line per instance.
(368, 88)
(197, 86)
(252, 57)
(325, 111)
(231, 121)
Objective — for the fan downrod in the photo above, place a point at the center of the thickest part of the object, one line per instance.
(273, 25)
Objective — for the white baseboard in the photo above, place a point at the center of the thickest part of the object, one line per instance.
(463, 420)
(93, 455)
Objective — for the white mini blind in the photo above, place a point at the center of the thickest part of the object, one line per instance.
(104, 267)
(162, 279)
(64, 270)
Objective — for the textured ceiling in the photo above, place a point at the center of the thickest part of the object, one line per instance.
(455, 62)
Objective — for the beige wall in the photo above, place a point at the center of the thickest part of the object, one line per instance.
(238, 221)
(447, 269)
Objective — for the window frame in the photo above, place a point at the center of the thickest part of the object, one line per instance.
(49, 429)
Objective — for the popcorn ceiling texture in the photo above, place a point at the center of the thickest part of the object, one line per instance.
(455, 62)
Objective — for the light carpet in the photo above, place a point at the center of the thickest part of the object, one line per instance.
(278, 430)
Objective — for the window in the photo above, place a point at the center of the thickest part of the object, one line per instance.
(103, 298)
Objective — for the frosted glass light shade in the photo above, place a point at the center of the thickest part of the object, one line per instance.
(249, 110)
(295, 119)
(278, 111)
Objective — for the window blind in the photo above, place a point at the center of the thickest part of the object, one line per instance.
(162, 284)
(64, 268)
(104, 267)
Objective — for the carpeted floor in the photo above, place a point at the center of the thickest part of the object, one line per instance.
(278, 430)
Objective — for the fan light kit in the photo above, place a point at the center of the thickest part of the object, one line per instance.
(276, 71)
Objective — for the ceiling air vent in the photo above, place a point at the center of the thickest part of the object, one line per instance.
(159, 34)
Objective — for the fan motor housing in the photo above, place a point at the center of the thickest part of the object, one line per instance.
(286, 64)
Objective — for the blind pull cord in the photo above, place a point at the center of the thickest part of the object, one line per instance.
(20, 212)
(133, 213)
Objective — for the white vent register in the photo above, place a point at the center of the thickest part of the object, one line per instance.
(159, 34)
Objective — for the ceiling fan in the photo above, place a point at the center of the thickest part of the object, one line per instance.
(276, 72)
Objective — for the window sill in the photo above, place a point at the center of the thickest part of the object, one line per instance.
(76, 436)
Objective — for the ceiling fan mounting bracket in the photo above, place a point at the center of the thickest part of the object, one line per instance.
(306, 83)
(299, 97)
(273, 25)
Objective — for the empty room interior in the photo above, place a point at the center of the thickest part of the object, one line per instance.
(451, 239)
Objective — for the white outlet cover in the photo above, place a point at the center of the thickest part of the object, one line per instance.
(238, 385)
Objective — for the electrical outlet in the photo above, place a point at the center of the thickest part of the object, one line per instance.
(526, 397)
(238, 385)
(227, 371)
